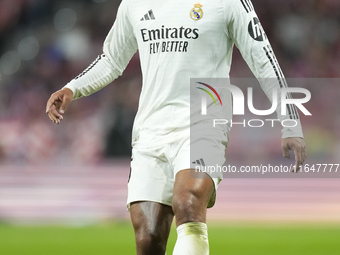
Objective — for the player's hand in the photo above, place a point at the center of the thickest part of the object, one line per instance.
(297, 145)
(56, 105)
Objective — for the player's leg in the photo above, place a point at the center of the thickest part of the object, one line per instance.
(149, 199)
(191, 196)
(152, 223)
(190, 201)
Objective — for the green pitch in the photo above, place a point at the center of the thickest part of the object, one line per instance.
(118, 239)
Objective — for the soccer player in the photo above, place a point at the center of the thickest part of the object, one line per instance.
(177, 40)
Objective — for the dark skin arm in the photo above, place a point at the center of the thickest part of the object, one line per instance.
(298, 146)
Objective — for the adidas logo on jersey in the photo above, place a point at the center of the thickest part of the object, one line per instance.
(148, 16)
(199, 162)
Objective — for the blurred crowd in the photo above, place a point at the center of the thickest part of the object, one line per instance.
(44, 44)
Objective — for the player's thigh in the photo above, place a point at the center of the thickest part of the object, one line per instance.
(191, 195)
(199, 185)
(203, 149)
(151, 219)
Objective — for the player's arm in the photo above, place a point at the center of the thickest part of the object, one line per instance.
(119, 47)
(245, 29)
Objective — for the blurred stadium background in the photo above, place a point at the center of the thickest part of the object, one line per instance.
(63, 188)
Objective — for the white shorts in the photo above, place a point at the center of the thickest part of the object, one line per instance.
(153, 168)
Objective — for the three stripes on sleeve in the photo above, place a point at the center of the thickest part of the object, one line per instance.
(292, 111)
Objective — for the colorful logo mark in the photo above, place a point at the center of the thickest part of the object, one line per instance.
(209, 93)
(196, 13)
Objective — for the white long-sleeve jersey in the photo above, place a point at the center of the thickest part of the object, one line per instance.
(178, 40)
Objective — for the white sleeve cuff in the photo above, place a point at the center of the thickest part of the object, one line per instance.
(292, 131)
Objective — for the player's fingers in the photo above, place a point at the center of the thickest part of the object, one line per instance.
(54, 115)
(303, 153)
(51, 102)
(298, 159)
(66, 99)
(53, 118)
(285, 151)
(64, 104)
